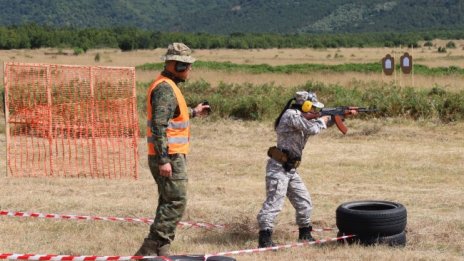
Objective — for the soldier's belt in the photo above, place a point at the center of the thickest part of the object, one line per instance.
(283, 158)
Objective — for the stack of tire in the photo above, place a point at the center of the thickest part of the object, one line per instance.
(372, 222)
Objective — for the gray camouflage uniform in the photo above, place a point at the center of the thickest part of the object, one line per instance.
(293, 132)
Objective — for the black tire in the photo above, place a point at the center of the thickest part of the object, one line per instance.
(398, 240)
(371, 218)
(199, 258)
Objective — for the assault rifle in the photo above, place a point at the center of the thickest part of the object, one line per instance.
(338, 115)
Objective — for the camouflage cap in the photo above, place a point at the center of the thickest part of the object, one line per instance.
(178, 52)
(302, 96)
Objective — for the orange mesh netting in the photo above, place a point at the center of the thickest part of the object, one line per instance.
(71, 121)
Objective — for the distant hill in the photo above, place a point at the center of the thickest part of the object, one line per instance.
(240, 16)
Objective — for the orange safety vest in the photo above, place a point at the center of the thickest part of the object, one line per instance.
(178, 131)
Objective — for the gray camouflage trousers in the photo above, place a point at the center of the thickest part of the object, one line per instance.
(281, 184)
(172, 199)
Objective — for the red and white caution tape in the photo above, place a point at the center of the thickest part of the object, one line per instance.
(76, 258)
(76, 217)
(131, 220)
(199, 225)
(258, 250)
(37, 257)
(70, 217)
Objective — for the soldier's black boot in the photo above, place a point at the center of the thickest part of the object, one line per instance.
(148, 248)
(265, 238)
(305, 234)
(164, 250)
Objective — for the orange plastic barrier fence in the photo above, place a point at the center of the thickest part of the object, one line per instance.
(71, 121)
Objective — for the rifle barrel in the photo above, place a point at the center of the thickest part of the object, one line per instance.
(366, 110)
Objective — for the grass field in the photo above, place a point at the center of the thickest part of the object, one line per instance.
(417, 163)
(426, 56)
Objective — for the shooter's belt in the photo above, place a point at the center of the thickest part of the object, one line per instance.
(282, 157)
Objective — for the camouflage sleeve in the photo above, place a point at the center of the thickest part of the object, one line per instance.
(164, 104)
(191, 112)
(309, 127)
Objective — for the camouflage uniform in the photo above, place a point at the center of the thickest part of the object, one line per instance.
(168, 143)
(172, 190)
(293, 132)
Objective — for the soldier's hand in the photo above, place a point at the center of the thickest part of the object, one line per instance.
(165, 170)
(325, 119)
(202, 109)
(352, 112)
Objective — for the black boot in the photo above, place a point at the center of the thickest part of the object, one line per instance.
(265, 238)
(164, 250)
(148, 248)
(305, 234)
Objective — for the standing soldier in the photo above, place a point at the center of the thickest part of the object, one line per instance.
(168, 136)
(297, 121)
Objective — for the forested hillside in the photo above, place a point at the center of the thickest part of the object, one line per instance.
(245, 16)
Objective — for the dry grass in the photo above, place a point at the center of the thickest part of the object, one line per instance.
(426, 56)
(417, 164)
